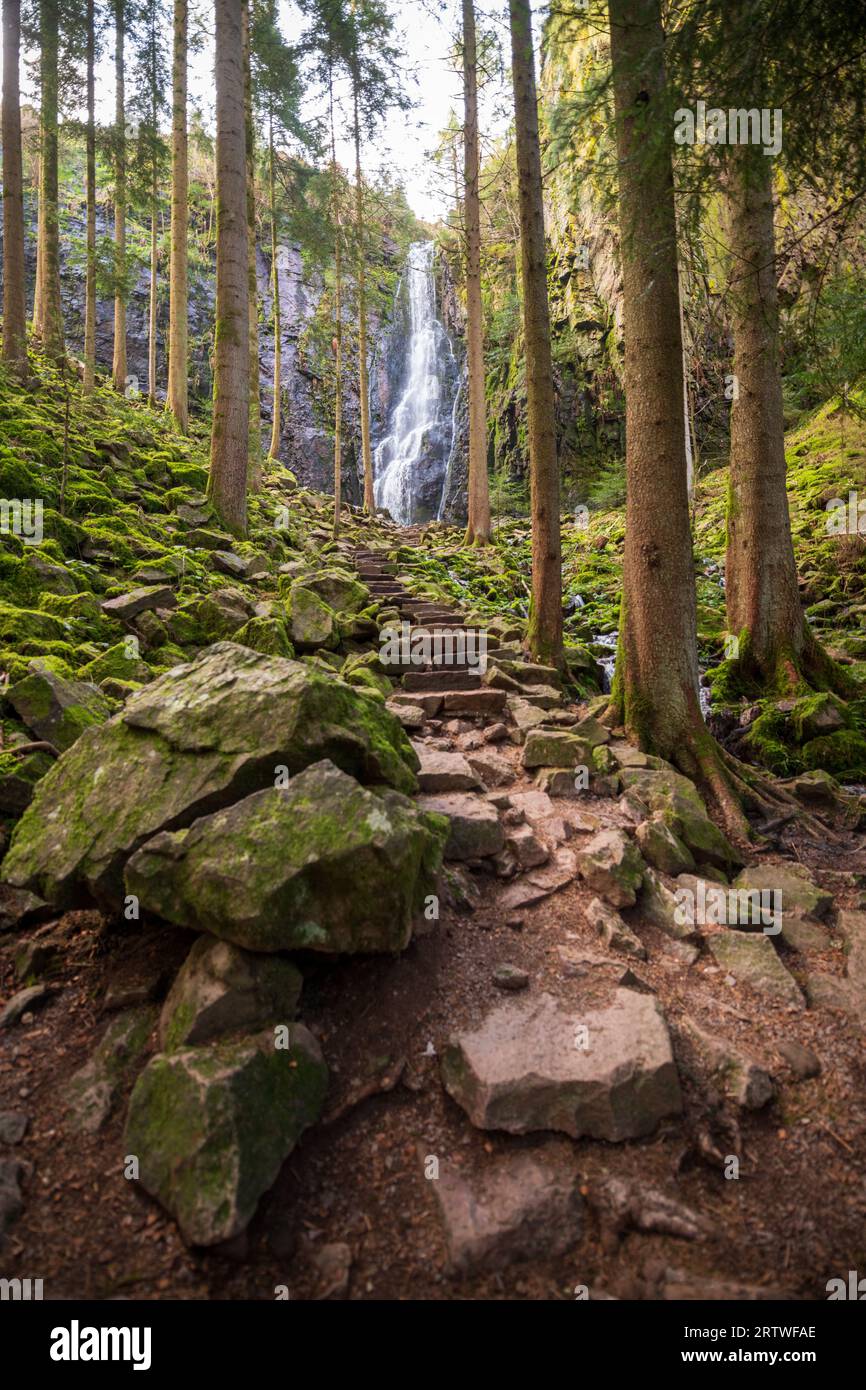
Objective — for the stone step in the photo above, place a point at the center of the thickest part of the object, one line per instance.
(450, 678)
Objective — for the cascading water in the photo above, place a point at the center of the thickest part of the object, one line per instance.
(421, 375)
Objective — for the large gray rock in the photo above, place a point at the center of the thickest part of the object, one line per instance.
(222, 989)
(607, 1073)
(798, 892)
(202, 736)
(322, 865)
(212, 1126)
(522, 1208)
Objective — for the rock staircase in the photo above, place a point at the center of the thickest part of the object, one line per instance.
(450, 683)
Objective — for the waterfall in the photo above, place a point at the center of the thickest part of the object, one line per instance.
(411, 457)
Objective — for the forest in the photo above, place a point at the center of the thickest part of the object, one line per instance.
(432, 660)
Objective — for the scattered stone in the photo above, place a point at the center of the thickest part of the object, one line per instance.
(13, 1126)
(800, 894)
(230, 564)
(510, 978)
(445, 772)
(94, 1090)
(538, 884)
(607, 1073)
(802, 1060)
(493, 771)
(19, 908)
(147, 600)
(497, 733)
(738, 1075)
(613, 930)
(212, 1126)
(752, 960)
(271, 872)
(54, 708)
(12, 1170)
(612, 867)
(555, 748)
(803, 935)
(222, 989)
(663, 849)
(527, 849)
(525, 715)
(519, 1209)
(333, 1265)
(852, 925)
(664, 908)
(476, 831)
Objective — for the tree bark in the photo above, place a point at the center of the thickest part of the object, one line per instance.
(154, 274)
(276, 428)
(49, 325)
(227, 486)
(545, 624)
(478, 532)
(14, 307)
(338, 315)
(255, 441)
(762, 594)
(119, 368)
(655, 690)
(361, 277)
(177, 400)
(89, 381)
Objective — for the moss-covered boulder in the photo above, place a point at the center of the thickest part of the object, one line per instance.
(202, 736)
(212, 1126)
(676, 801)
(54, 708)
(324, 865)
(336, 588)
(266, 635)
(312, 622)
(221, 989)
(119, 663)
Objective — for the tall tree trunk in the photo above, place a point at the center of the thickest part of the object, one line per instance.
(255, 471)
(177, 400)
(50, 324)
(338, 315)
(227, 485)
(119, 364)
(14, 307)
(154, 285)
(90, 214)
(478, 532)
(361, 277)
(776, 648)
(656, 684)
(545, 624)
(276, 428)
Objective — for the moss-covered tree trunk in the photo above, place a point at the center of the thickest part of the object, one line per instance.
(89, 381)
(49, 323)
(545, 624)
(227, 486)
(154, 286)
(119, 369)
(276, 427)
(655, 692)
(776, 649)
(255, 469)
(14, 307)
(338, 312)
(177, 400)
(478, 530)
(361, 278)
